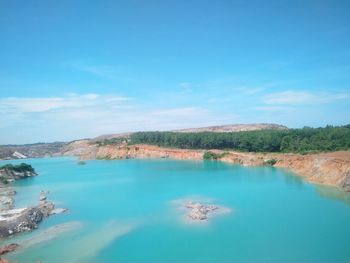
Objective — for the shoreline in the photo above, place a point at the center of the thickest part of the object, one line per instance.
(327, 168)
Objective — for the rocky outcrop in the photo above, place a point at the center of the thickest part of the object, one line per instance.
(26, 219)
(14, 221)
(9, 173)
(346, 182)
(200, 211)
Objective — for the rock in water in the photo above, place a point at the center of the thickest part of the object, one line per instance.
(200, 211)
(20, 220)
(26, 220)
(2, 260)
(58, 211)
(8, 248)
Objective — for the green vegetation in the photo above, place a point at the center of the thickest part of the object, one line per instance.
(213, 156)
(112, 141)
(270, 162)
(303, 140)
(23, 167)
(210, 156)
(7, 171)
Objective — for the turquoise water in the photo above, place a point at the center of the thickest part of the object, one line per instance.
(130, 211)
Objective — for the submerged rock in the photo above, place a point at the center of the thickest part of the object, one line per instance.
(58, 211)
(43, 195)
(8, 248)
(7, 197)
(200, 211)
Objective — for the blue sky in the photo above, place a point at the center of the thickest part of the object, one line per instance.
(75, 69)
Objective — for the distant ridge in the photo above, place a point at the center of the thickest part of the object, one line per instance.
(236, 128)
(55, 149)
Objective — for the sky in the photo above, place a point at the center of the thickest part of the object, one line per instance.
(79, 69)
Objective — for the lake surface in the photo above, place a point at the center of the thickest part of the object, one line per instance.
(130, 211)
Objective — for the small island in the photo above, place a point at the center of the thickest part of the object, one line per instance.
(200, 211)
(9, 172)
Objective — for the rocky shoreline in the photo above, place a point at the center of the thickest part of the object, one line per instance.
(19, 220)
(14, 221)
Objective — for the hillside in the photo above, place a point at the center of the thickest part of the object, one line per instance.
(236, 128)
(218, 128)
(31, 150)
(305, 140)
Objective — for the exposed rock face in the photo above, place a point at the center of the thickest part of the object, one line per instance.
(80, 148)
(20, 220)
(346, 183)
(139, 151)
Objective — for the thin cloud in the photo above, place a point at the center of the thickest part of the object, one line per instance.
(99, 70)
(303, 98)
(181, 112)
(257, 89)
(271, 108)
(32, 105)
(77, 116)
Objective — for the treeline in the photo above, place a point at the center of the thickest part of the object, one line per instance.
(303, 140)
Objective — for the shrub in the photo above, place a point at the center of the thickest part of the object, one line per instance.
(270, 162)
(210, 156)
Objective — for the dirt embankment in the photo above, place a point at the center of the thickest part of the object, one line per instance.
(325, 168)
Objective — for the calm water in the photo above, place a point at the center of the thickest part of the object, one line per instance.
(128, 211)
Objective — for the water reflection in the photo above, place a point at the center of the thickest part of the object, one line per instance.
(333, 193)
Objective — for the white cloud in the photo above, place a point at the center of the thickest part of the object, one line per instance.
(303, 97)
(186, 112)
(271, 108)
(29, 105)
(100, 70)
(77, 116)
(257, 89)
